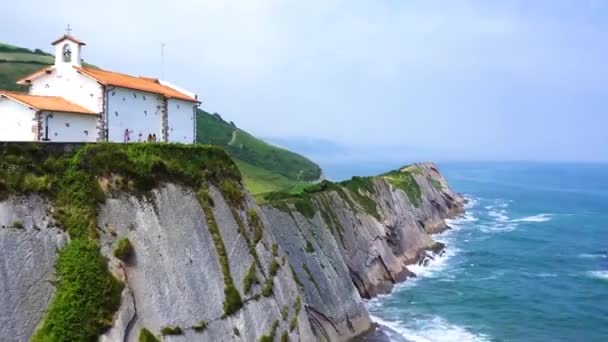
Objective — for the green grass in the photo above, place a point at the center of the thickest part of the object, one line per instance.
(232, 298)
(361, 188)
(265, 167)
(404, 180)
(260, 181)
(171, 330)
(146, 336)
(435, 183)
(200, 326)
(250, 278)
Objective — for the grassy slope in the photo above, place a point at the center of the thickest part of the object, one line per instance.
(16, 62)
(265, 167)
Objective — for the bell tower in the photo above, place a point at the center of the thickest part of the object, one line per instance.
(68, 50)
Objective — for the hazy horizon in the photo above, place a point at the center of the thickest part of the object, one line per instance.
(359, 81)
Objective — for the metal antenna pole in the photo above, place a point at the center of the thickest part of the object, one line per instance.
(162, 60)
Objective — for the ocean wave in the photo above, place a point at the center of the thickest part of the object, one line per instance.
(593, 256)
(599, 274)
(434, 266)
(499, 215)
(432, 329)
(535, 218)
(498, 228)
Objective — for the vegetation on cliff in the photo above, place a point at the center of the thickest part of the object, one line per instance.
(87, 294)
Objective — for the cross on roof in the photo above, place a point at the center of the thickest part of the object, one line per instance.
(68, 30)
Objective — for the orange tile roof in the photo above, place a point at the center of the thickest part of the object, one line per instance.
(68, 37)
(50, 103)
(147, 84)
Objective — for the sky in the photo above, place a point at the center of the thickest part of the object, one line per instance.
(364, 81)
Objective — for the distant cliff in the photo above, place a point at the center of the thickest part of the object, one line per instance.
(145, 242)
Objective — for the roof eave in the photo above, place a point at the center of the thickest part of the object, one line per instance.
(28, 79)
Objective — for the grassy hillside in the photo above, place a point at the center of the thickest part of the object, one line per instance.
(16, 62)
(265, 167)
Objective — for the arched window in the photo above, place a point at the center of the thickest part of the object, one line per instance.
(67, 53)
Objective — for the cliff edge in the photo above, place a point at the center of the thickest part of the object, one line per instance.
(149, 242)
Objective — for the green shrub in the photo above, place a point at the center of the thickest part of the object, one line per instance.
(285, 336)
(87, 295)
(267, 290)
(309, 247)
(304, 206)
(275, 249)
(274, 267)
(284, 312)
(232, 299)
(146, 336)
(123, 249)
(200, 326)
(232, 192)
(171, 330)
(256, 224)
(250, 278)
(298, 305)
(17, 224)
(293, 323)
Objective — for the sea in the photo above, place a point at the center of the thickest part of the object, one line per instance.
(528, 261)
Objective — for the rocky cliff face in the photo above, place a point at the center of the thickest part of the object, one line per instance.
(356, 239)
(29, 242)
(204, 262)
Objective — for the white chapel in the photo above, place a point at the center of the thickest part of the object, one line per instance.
(69, 102)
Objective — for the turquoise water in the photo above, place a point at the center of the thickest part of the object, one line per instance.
(528, 261)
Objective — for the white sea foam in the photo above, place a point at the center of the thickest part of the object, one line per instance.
(535, 218)
(435, 266)
(599, 274)
(431, 329)
(499, 215)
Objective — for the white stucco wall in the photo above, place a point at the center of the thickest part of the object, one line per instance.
(69, 127)
(139, 112)
(72, 86)
(181, 121)
(17, 122)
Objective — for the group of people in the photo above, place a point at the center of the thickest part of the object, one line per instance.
(127, 138)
